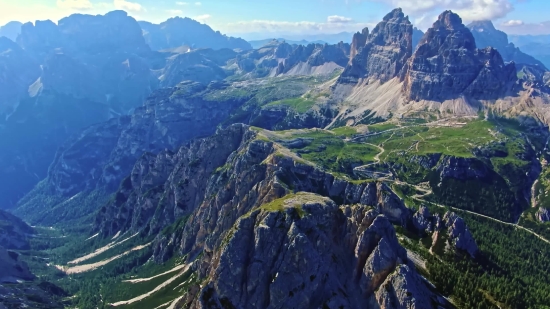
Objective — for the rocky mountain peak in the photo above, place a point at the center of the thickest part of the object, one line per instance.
(385, 51)
(11, 30)
(447, 65)
(359, 40)
(392, 30)
(448, 32)
(394, 14)
(482, 25)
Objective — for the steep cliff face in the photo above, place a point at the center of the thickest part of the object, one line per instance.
(17, 71)
(257, 239)
(169, 118)
(487, 36)
(447, 65)
(359, 40)
(310, 254)
(382, 53)
(449, 233)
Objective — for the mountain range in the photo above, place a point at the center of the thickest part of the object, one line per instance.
(162, 168)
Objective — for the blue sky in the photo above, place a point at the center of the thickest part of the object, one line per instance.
(254, 19)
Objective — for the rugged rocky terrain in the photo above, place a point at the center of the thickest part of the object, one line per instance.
(386, 173)
(61, 78)
(245, 219)
(450, 47)
(382, 53)
(280, 58)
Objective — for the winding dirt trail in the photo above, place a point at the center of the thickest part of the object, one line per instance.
(490, 218)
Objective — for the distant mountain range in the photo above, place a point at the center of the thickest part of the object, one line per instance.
(179, 31)
(260, 43)
(11, 30)
(538, 46)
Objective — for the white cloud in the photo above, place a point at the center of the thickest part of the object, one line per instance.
(469, 10)
(74, 4)
(339, 19)
(513, 23)
(285, 27)
(175, 12)
(128, 6)
(202, 18)
(182, 3)
(518, 27)
(198, 3)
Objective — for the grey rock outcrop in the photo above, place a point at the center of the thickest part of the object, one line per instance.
(447, 65)
(294, 258)
(456, 235)
(385, 51)
(423, 220)
(543, 214)
(462, 168)
(359, 40)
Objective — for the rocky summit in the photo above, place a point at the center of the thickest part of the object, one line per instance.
(382, 53)
(171, 166)
(450, 47)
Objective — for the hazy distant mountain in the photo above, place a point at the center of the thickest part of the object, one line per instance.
(60, 78)
(11, 30)
(260, 43)
(179, 31)
(537, 45)
(486, 35)
(330, 38)
(417, 36)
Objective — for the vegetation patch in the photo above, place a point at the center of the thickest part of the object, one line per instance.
(300, 105)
